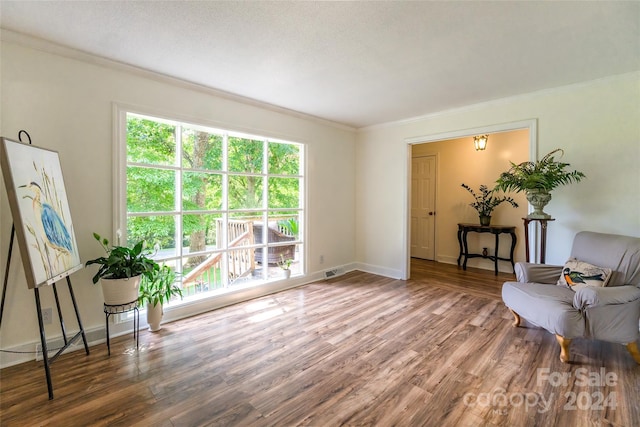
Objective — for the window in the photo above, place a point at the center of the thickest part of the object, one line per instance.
(223, 209)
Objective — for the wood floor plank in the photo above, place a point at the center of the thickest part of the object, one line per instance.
(355, 350)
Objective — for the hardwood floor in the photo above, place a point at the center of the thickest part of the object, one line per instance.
(437, 350)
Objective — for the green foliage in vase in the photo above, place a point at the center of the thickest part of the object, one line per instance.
(543, 175)
(486, 200)
(122, 262)
(159, 287)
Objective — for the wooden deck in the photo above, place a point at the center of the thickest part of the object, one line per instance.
(437, 350)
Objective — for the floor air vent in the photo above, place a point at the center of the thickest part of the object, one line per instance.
(331, 273)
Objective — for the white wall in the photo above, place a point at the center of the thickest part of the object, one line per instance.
(597, 124)
(67, 105)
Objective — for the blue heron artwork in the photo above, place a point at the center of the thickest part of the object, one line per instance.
(56, 236)
(40, 212)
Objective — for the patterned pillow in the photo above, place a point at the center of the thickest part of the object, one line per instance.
(578, 274)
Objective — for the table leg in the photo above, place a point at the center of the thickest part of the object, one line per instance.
(466, 249)
(496, 253)
(459, 244)
(543, 244)
(514, 240)
(526, 239)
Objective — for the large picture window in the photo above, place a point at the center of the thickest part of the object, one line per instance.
(221, 208)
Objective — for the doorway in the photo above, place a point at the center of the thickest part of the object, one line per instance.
(445, 248)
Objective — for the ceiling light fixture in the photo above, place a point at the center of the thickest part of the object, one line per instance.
(480, 142)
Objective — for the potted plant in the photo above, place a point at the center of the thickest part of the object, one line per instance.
(285, 265)
(486, 201)
(537, 179)
(121, 270)
(156, 289)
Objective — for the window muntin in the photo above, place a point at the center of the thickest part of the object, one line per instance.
(201, 196)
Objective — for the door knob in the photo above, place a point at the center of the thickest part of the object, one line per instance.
(431, 213)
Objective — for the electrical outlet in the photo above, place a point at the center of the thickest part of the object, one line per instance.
(321, 259)
(47, 316)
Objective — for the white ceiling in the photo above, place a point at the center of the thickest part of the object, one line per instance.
(355, 63)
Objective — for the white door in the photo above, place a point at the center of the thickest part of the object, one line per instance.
(423, 200)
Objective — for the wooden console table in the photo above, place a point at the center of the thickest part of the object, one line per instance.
(464, 229)
(543, 237)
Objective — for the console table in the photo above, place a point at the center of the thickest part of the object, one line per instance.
(464, 229)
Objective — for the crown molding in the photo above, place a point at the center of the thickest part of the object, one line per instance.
(502, 101)
(50, 47)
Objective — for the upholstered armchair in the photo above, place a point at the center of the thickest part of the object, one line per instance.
(597, 306)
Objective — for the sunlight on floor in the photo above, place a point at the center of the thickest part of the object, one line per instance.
(267, 315)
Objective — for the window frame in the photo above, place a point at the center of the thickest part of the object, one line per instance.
(120, 214)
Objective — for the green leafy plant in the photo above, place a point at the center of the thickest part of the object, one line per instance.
(285, 263)
(542, 175)
(290, 225)
(159, 286)
(122, 262)
(486, 201)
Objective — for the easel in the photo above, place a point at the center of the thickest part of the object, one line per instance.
(67, 342)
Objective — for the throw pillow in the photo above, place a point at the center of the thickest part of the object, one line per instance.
(578, 274)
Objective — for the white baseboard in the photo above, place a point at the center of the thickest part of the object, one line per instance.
(379, 270)
(483, 264)
(446, 259)
(33, 351)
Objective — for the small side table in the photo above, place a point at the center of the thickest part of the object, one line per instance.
(463, 229)
(123, 308)
(543, 237)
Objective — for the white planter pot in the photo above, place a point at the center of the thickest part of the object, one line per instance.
(154, 316)
(287, 273)
(120, 291)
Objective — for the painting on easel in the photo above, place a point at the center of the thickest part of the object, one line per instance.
(40, 211)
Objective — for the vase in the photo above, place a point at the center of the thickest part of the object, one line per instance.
(485, 220)
(120, 291)
(538, 199)
(287, 274)
(154, 316)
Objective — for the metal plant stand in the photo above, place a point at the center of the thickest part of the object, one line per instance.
(110, 309)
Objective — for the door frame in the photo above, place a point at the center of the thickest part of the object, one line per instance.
(531, 125)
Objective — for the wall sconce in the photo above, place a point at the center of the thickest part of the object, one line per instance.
(480, 142)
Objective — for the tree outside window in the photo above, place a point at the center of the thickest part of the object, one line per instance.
(199, 196)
